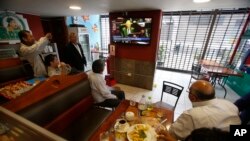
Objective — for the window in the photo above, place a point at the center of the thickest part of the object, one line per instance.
(184, 35)
(105, 33)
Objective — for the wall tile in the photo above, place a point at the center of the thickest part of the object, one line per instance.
(142, 72)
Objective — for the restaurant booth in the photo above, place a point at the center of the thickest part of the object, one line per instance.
(61, 104)
(64, 105)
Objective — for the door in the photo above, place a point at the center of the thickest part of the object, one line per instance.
(84, 41)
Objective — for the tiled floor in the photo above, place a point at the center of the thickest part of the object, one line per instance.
(179, 78)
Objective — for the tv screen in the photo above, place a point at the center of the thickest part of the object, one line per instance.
(131, 30)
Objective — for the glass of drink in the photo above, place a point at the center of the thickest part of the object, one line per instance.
(132, 101)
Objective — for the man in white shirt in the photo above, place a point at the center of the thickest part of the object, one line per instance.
(100, 92)
(207, 112)
(30, 50)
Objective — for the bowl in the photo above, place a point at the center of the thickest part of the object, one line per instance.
(130, 116)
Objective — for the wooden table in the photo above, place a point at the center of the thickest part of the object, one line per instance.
(209, 63)
(122, 108)
(219, 73)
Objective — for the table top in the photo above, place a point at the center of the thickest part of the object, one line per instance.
(220, 70)
(214, 68)
(124, 107)
(209, 63)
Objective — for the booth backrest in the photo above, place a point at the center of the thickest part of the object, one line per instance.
(8, 74)
(45, 111)
(22, 71)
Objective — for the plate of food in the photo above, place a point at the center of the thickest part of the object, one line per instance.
(12, 91)
(141, 132)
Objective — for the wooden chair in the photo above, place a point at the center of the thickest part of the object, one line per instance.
(171, 90)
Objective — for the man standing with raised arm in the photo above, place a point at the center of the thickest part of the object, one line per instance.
(30, 50)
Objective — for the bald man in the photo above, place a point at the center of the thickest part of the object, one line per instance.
(207, 111)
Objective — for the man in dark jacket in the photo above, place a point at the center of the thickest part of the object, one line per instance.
(74, 53)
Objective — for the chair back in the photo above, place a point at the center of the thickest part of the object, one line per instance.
(196, 71)
(172, 89)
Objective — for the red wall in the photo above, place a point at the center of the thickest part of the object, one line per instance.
(248, 60)
(35, 25)
(140, 52)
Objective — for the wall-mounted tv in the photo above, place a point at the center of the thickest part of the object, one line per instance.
(131, 30)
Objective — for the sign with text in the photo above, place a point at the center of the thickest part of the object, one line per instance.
(240, 132)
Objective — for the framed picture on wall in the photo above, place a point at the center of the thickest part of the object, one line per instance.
(10, 24)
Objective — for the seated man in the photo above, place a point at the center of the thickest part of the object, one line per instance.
(101, 94)
(207, 112)
(54, 67)
(243, 105)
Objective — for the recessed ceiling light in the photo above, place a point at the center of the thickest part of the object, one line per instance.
(200, 1)
(73, 7)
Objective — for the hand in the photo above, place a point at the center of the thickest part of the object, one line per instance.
(116, 88)
(48, 36)
(62, 64)
(165, 136)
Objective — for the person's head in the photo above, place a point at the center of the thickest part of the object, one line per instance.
(208, 134)
(201, 90)
(11, 23)
(128, 23)
(51, 60)
(26, 37)
(98, 66)
(72, 38)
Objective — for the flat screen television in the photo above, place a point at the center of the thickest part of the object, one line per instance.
(131, 30)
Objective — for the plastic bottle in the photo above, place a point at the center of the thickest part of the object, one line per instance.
(142, 104)
(149, 103)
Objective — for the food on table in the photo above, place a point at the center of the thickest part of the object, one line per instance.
(141, 132)
(153, 122)
(12, 91)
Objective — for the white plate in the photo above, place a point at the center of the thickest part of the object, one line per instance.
(148, 130)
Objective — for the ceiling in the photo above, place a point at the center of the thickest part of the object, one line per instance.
(90, 7)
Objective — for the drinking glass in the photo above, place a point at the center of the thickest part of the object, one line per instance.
(132, 101)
